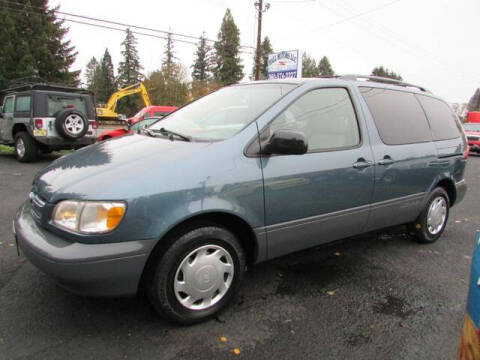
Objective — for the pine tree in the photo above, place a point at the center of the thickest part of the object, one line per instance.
(201, 69)
(106, 78)
(228, 67)
(265, 51)
(32, 41)
(129, 70)
(309, 66)
(383, 72)
(324, 67)
(90, 72)
(168, 62)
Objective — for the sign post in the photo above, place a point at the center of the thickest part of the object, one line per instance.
(285, 65)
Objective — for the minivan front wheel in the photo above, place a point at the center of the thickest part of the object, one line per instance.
(431, 223)
(197, 275)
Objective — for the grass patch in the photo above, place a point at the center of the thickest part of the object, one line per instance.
(6, 149)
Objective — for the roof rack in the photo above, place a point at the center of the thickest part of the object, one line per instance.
(380, 79)
(24, 84)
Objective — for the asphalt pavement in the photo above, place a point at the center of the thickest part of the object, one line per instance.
(376, 296)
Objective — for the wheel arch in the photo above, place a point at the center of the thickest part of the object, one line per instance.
(17, 128)
(232, 222)
(449, 186)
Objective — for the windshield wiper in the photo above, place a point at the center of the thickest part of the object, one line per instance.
(169, 133)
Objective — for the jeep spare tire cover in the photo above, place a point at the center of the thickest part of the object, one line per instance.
(71, 124)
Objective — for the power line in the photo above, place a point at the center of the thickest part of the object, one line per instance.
(413, 49)
(115, 23)
(341, 21)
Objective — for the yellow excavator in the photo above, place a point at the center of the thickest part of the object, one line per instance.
(108, 112)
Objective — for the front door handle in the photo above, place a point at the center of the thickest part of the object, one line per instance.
(387, 160)
(362, 163)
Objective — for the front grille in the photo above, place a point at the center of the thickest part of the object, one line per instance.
(37, 200)
(473, 138)
(37, 206)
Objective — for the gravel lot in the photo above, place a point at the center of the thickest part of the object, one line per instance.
(378, 296)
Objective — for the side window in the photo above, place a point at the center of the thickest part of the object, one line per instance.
(22, 104)
(398, 115)
(325, 116)
(8, 106)
(442, 120)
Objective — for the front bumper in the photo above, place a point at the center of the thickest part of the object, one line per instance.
(112, 269)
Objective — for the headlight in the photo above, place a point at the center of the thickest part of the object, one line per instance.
(88, 217)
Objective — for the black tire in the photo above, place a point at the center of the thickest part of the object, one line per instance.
(63, 124)
(420, 229)
(46, 151)
(164, 264)
(30, 147)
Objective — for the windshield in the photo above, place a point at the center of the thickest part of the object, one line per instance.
(223, 113)
(145, 123)
(472, 126)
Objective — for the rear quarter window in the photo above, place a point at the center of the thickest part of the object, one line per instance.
(398, 116)
(442, 120)
(22, 103)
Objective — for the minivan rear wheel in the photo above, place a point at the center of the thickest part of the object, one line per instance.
(25, 147)
(197, 275)
(431, 223)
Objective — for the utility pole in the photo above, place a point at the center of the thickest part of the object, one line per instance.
(258, 53)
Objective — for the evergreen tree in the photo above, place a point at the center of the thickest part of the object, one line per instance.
(324, 67)
(90, 72)
(228, 68)
(129, 70)
(265, 51)
(383, 72)
(34, 45)
(168, 62)
(309, 66)
(474, 103)
(201, 69)
(129, 73)
(106, 78)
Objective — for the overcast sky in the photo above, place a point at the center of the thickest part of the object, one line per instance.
(434, 43)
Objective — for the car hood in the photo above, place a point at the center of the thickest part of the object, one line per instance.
(116, 168)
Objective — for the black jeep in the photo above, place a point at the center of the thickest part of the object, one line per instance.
(44, 117)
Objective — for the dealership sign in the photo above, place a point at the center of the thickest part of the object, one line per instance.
(285, 64)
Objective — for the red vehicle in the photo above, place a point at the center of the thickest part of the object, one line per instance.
(144, 117)
(472, 130)
(152, 111)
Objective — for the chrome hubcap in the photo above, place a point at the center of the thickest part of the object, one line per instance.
(20, 148)
(203, 277)
(74, 124)
(437, 213)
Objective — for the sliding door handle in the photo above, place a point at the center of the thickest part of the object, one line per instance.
(362, 163)
(387, 160)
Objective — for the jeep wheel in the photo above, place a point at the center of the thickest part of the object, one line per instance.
(25, 147)
(71, 124)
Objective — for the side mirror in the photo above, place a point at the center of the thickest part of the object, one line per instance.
(286, 142)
